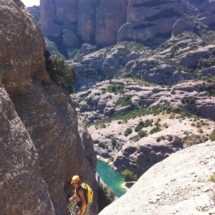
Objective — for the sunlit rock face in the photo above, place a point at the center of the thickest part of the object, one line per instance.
(150, 21)
(111, 15)
(41, 148)
(179, 183)
(57, 16)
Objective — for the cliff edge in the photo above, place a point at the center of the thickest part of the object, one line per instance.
(181, 184)
(41, 148)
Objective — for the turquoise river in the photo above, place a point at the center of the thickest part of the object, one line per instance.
(111, 178)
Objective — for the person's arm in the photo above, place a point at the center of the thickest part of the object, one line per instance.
(72, 198)
(83, 201)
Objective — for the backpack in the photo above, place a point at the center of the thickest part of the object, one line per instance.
(88, 192)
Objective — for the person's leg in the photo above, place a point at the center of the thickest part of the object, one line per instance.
(87, 212)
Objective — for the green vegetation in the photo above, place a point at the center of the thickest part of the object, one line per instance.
(145, 110)
(124, 101)
(201, 29)
(103, 145)
(116, 88)
(212, 135)
(142, 133)
(192, 139)
(129, 175)
(142, 124)
(176, 65)
(204, 63)
(212, 178)
(126, 48)
(113, 142)
(81, 99)
(206, 87)
(155, 130)
(188, 100)
(94, 74)
(105, 196)
(78, 58)
(60, 72)
(127, 131)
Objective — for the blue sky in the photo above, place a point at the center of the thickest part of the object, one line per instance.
(29, 3)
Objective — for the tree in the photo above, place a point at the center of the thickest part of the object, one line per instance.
(61, 73)
(129, 176)
(212, 135)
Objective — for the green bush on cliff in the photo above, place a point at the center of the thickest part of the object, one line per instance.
(116, 88)
(127, 131)
(129, 175)
(105, 196)
(61, 73)
(212, 135)
(124, 101)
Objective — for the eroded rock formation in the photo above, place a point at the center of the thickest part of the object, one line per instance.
(40, 145)
(150, 21)
(180, 184)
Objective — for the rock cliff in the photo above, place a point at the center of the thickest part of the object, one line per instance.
(41, 148)
(116, 105)
(180, 185)
(150, 21)
(106, 22)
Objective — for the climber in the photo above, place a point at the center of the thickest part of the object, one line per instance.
(79, 195)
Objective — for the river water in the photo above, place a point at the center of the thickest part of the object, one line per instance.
(110, 177)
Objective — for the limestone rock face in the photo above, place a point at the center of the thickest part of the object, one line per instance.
(180, 183)
(87, 19)
(110, 16)
(57, 16)
(23, 190)
(150, 21)
(180, 26)
(41, 147)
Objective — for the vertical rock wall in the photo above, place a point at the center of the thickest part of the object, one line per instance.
(150, 21)
(111, 15)
(40, 145)
(87, 19)
(58, 15)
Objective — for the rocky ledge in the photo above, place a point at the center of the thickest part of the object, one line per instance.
(181, 184)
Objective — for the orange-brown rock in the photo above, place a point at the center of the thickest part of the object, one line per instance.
(87, 19)
(110, 16)
(57, 16)
(150, 21)
(41, 148)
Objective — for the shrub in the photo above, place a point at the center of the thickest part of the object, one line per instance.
(129, 176)
(158, 139)
(170, 138)
(212, 135)
(113, 141)
(142, 134)
(139, 126)
(105, 196)
(116, 88)
(154, 130)
(212, 178)
(124, 101)
(61, 73)
(127, 131)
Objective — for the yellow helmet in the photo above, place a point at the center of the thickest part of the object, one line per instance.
(75, 179)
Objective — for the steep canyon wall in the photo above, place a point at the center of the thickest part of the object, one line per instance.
(106, 22)
(41, 148)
